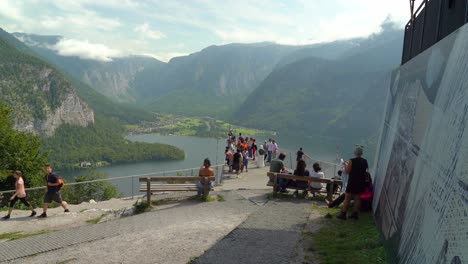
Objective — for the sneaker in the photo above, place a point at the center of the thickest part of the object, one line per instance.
(66, 211)
(33, 214)
(354, 216)
(43, 215)
(341, 216)
(6, 217)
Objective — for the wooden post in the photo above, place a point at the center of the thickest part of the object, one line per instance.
(275, 179)
(148, 190)
(330, 191)
(206, 187)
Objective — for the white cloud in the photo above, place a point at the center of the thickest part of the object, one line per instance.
(146, 31)
(85, 50)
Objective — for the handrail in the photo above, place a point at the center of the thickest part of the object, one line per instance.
(110, 179)
(330, 163)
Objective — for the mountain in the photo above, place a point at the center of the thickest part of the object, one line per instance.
(59, 109)
(40, 97)
(213, 80)
(332, 99)
(115, 79)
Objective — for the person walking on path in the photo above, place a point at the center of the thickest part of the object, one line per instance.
(245, 156)
(20, 194)
(269, 145)
(261, 157)
(237, 161)
(53, 191)
(205, 170)
(356, 168)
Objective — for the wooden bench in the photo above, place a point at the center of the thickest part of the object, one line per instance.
(173, 184)
(275, 176)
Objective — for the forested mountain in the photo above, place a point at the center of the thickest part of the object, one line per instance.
(55, 106)
(40, 97)
(115, 79)
(214, 80)
(328, 99)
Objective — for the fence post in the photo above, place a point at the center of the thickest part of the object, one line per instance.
(148, 190)
(191, 174)
(132, 187)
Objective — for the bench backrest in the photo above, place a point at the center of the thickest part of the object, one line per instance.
(177, 178)
(302, 178)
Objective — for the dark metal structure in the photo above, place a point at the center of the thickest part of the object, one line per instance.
(430, 22)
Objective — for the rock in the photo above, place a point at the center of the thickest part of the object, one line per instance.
(92, 201)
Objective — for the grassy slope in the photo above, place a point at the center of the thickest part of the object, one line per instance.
(348, 241)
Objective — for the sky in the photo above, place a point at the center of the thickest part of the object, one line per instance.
(103, 29)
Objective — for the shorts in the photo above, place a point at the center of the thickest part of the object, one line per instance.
(22, 199)
(49, 197)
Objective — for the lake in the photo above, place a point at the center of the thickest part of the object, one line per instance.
(196, 150)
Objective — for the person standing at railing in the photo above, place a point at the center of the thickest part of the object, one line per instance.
(20, 194)
(269, 145)
(301, 154)
(254, 149)
(53, 192)
(205, 170)
(275, 149)
(356, 168)
(344, 176)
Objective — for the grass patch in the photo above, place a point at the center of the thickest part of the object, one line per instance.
(18, 235)
(95, 220)
(141, 206)
(220, 198)
(348, 241)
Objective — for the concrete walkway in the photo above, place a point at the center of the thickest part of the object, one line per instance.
(246, 228)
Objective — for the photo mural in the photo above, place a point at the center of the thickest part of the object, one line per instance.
(421, 165)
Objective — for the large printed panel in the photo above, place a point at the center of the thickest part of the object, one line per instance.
(421, 171)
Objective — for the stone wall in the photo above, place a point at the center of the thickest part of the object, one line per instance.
(421, 168)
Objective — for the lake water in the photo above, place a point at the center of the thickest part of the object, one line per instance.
(196, 150)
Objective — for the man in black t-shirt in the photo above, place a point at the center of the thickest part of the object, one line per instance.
(53, 191)
(300, 153)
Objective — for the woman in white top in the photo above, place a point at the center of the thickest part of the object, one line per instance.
(316, 173)
(20, 194)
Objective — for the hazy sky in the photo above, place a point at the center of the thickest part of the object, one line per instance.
(101, 29)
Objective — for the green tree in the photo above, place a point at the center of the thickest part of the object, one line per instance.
(19, 151)
(99, 191)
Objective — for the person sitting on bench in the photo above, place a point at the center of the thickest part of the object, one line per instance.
(316, 173)
(301, 171)
(205, 170)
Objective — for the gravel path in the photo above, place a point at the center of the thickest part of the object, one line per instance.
(245, 228)
(269, 235)
(174, 233)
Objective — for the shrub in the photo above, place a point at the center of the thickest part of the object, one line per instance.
(99, 191)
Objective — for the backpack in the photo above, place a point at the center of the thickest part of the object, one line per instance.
(59, 180)
(62, 183)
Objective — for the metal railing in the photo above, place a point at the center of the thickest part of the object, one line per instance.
(432, 21)
(131, 180)
(330, 169)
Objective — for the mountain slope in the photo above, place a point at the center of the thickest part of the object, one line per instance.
(218, 75)
(335, 100)
(44, 101)
(115, 79)
(40, 97)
